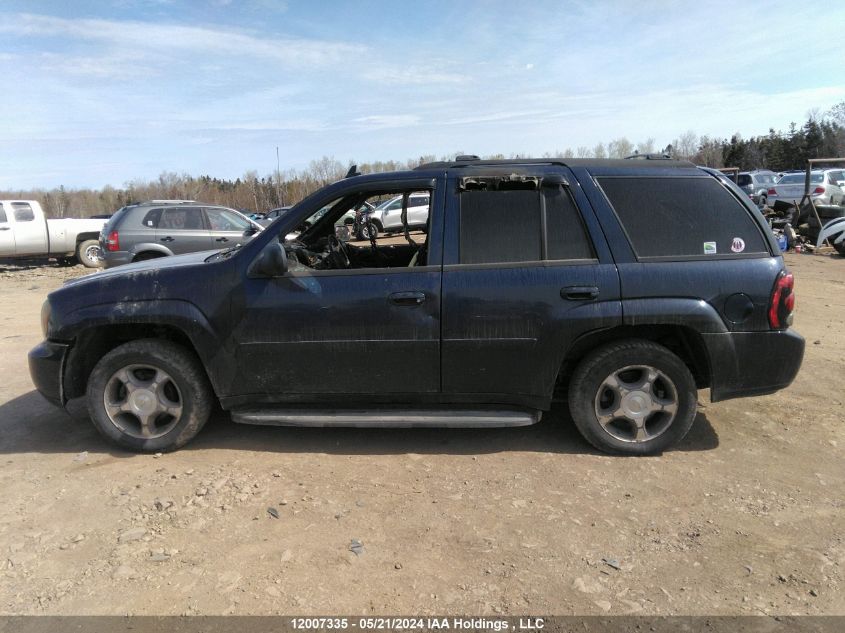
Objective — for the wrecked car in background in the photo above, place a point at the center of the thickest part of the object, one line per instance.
(622, 287)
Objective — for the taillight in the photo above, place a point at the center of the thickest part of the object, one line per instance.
(113, 243)
(771, 192)
(818, 191)
(782, 302)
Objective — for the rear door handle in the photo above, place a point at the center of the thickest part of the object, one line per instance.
(5, 228)
(222, 239)
(411, 298)
(579, 293)
(167, 239)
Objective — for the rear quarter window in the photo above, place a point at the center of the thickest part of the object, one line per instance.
(152, 218)
(683, 217)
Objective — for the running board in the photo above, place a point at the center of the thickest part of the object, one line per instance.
(387, 418)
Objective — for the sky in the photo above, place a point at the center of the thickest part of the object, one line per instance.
(101, 93)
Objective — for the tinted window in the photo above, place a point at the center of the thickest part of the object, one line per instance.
(835, 177)
(670, 217)
(743, 179)
(798, 179)
(500, 226)
(182, 218)
(152, 218)
(418, 201)
(23, 212)
(567, 236)
(2, 215)
(225, 220)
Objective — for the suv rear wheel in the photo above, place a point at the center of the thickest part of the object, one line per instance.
(632, 397)
(149, 395)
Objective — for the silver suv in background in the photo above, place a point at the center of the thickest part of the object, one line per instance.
(160, 228)
(757, 184)
(827, 186)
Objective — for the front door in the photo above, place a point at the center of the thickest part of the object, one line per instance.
(373, 332)
(227, 227)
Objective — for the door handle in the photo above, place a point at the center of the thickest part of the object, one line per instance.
(411, 298)
(222, 239)
(579, 293)
(167, 239)
(5, 228)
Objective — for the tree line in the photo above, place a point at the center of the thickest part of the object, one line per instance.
(821, 136)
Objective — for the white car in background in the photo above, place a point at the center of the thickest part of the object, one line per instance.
(827, 186)
(387, 217)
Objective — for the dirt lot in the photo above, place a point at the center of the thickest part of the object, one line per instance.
(745, 517)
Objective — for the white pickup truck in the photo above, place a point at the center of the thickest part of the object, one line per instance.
(25, 232)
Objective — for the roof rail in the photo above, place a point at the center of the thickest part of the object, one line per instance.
(462, 158)
(163, 201)
(661, 156)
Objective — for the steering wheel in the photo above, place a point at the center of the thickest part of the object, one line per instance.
(339, 254)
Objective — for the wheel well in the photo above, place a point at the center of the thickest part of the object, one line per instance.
(685, 342)
(147, 255)
(83, 237)
(94, 343)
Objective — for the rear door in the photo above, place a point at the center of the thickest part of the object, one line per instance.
(182, 229)
(526, 272)
(7, 236)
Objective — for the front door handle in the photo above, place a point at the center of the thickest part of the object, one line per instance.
(580, 293)
(4, 228)
(412, 298)
(167, 239)
(222, 239)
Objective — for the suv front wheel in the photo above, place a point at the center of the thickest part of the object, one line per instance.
(633, 397)
(149, 395)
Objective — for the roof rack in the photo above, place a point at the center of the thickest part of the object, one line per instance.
(163, 201)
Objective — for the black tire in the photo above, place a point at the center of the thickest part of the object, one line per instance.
(88, 254)
(589, 390)
(143, 257)
(368, 231)
(186, 375)
(840, 248)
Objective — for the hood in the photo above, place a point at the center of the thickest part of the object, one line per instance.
(128, 270)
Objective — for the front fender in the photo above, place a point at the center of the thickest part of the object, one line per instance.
(174, 313)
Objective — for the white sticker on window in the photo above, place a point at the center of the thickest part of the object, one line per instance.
(709, 248)
(738, 245)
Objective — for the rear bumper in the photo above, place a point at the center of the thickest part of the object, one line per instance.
(111, 259)
(46, 362)
(752, 363)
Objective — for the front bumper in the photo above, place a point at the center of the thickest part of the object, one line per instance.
(746, 364)
(46, 364)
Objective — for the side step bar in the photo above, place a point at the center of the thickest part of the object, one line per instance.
(387, 418)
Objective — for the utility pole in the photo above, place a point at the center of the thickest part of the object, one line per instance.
(278, 180)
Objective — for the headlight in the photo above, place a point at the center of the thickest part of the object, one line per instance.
(45, 317)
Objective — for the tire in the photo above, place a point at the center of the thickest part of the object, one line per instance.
(88, 254)
(626, 418)
(175, 397)
(142, 257)
(368, 231)
(840, 248)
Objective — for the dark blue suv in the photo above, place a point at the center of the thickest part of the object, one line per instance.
(621, 287)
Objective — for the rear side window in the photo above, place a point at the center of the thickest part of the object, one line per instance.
(152, 218)
(507, 227)
(682, 217)
(182, 219)
(23, 212)
(2, 214)
(835, 177)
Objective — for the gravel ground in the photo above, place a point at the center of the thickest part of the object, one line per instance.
(744, 517)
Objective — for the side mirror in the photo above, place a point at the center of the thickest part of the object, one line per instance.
(271, 262)
(250, 231)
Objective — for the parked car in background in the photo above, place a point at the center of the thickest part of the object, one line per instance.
(827, 186)
(757, 184)
(26, 232)
(161, 228)
(387, 217)
(271, 215)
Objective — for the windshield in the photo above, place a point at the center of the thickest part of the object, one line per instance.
(797, 179)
